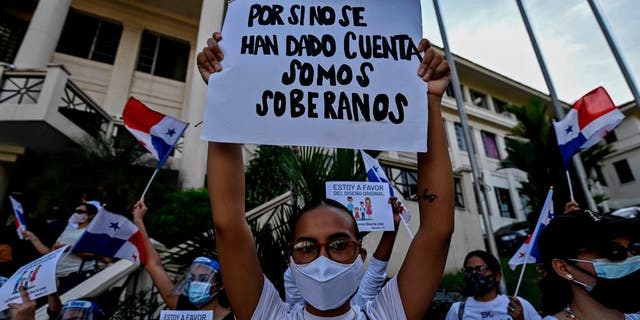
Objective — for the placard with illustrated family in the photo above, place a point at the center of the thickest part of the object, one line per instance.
(38, 277)
(368, 202)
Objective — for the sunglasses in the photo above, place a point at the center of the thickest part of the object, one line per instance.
(476, 269)
(617, 252)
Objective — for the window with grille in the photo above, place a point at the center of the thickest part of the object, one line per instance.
(504, 203)
(462, 142)
(499, 106)
(459, 195)
(479, 99)
(162, 56)
(624, 171)
(490, 145)
(90, 37)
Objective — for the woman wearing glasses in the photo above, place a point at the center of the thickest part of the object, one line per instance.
(591, 267)
(326, 258)
(76, 267)
(482, 275)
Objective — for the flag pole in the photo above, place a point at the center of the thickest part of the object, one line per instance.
(406, 225)
(555, 102)
(613, 45)
(570, 186)
(149, 184)
(532, 240)
(477, 178)
(524, 265)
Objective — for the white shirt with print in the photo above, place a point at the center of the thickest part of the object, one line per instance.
(495, 309)
(386, 305)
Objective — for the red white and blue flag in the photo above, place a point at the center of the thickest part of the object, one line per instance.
(375, 173)
(157, 132)
(112, 235)
(20, 221)
(528, 252)
(588, 121)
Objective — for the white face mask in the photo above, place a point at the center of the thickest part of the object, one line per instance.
(78, 218)
(326, 284)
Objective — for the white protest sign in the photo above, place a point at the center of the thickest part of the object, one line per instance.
(186, 315)
(368, 202)
(38, 277)
(334, 73)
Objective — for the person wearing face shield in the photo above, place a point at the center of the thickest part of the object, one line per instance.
(201, 287)
(375, 276)
(326, 256)
(482, 275)
(591, 267)
(72, 268)
(81, 310)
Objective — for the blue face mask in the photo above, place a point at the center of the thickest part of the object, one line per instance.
(607, 269)
(199, 293)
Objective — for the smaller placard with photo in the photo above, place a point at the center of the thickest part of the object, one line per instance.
(186, 315)
(368, 202)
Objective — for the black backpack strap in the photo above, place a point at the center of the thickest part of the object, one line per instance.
(461, 308)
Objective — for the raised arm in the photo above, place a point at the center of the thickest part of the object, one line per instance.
(35, 241)
(421, 272)
(241, 274)
(154, 264)
(375, 277)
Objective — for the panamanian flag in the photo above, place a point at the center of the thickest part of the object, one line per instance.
(112, 235)
(375, 173)
(157, 132)
(20, 221)
(588, 121)
(528, 252)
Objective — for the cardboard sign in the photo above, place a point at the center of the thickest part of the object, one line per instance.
(186, 315)
(334, 73)
(38, 278)
(368, 202)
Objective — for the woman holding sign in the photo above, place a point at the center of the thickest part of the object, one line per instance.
(201, 287)
(326, 257)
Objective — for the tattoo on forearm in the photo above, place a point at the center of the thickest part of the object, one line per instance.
(427, 196)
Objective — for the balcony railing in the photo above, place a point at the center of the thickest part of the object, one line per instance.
(21, 87)
(32, 94)
(83, 111)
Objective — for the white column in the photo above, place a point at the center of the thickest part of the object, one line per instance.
(194, 152)
(43, 34)
(123, 68)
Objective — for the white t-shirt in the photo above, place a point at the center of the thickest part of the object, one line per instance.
(386, 305)
(495, 309)
(71, 262)
(629, 316)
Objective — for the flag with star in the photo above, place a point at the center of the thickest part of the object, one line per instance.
(375, 173)
(112, 235)
(155, 131)
(588, 121)
(528, 251)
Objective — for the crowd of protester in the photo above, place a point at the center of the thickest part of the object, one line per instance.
(590, 269)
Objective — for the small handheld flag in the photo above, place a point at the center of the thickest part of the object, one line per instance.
(157, 132)
(376, 174)
(20, 221)
(588, 121)
(112, 235)
(528, 252)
